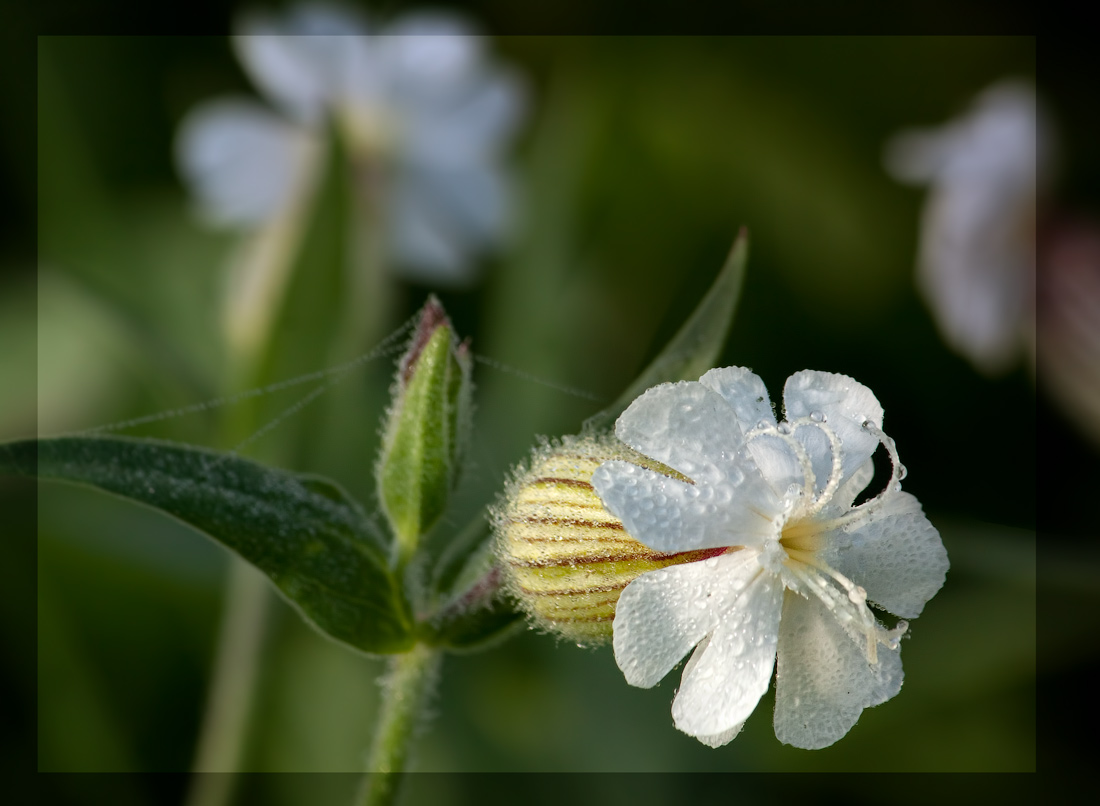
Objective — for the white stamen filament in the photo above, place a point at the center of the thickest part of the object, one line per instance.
(830, 596)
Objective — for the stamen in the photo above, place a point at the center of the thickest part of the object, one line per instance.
(897, 470)
(848, 608)
(835, 474)
(763, 429)
(897, 473)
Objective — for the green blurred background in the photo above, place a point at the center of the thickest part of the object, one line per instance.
(639, 161)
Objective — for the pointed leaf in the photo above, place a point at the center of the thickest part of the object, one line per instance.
(698, 342)
(305, 533)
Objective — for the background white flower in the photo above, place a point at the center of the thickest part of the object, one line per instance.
(425, 115)
(977, 246)
(802, 563)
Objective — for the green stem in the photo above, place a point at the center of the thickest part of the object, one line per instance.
(229, 703)
(408, 686)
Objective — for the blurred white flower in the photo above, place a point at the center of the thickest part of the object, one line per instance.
(800, 565)
(1068, 320)
(423, 112)
(977, 245)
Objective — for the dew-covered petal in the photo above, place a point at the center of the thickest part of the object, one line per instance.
(747, 396)
(725, 679)
(662, 614)
(713, 739)
(893, 552)
(306, 58)
(241, 161)
(669, 515)
(823, 678)
(745, 393)
(686, 426)
(848, 491)
(842, 405)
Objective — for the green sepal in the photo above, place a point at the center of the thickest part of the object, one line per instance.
(304, 532)
(425, 431)
(696, 345)
(473, 614)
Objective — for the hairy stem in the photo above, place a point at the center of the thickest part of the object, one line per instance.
(407, 688)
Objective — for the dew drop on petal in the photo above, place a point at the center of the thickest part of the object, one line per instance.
(784, 427)
(817, 416)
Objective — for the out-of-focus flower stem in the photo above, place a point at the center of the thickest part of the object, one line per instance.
(407, 688)
(229, 702)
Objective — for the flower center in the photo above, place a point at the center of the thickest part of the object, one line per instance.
(371, 133)
(795, 555)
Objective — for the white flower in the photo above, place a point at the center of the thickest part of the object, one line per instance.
(977, 247)
(424, 115)
(801, 562)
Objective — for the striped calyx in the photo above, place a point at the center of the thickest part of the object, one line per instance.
(566, 557)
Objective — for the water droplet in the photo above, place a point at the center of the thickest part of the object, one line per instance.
(897, 487)
(760, 399)
(711, 562)
(902, 471)
(763, 424)
(784, 427)
(818, 416)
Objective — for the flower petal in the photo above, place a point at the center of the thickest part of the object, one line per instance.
(894, 553)
(472, 199)
(846, 494)
(305, 59)
(241, 161)
(428, 53)
(669, 515)
(844, 404)
(823, 678)
(688, 427)
(662, 614)
(726, 678)
(746, 394)
(471, 123)
(430, 248)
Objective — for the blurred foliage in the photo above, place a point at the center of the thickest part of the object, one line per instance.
(641, 160)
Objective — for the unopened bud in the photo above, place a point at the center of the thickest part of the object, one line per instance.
(567, 558)
(425, 429)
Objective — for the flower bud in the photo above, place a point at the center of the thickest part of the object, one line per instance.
(425, 430)
(567, 559)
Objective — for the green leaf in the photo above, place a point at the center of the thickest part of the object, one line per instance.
(698, 342)
(305, 533)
